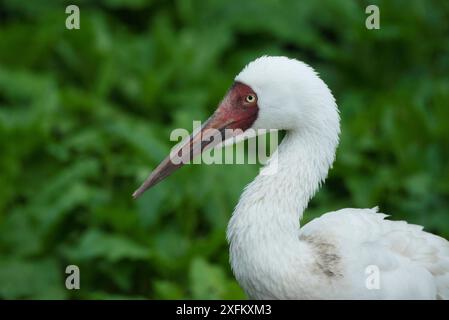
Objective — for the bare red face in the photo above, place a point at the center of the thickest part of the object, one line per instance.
(237, 111)
(239, 106)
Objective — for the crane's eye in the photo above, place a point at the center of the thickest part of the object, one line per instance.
(250, 98)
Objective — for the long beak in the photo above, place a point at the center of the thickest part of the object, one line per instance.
(210, 134)
(230, 114)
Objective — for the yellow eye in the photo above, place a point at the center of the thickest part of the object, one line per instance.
(250, 98)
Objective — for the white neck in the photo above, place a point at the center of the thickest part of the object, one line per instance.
(274, 204)
(263, 231)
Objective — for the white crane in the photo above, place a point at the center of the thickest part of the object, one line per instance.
(335, 255)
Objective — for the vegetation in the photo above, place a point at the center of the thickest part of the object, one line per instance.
(86, 114)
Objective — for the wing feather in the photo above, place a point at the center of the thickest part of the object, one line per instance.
(409, 257)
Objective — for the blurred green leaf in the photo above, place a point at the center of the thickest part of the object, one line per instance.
(41, 279)
(96, 244)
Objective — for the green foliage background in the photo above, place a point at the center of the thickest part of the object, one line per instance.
(86, 114)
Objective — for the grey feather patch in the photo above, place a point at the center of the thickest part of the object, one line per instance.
(327, 258)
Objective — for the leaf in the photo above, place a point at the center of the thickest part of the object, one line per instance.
(38, 279)
(167, 290)
(207, 281)
(96, 244)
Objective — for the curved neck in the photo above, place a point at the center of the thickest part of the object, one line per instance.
(273, 204)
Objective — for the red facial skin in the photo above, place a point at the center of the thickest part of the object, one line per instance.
(237, 110)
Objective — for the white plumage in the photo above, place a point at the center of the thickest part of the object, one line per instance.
(272, 256)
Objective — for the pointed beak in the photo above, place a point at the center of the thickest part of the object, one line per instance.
(208, 136)
(229, 115)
